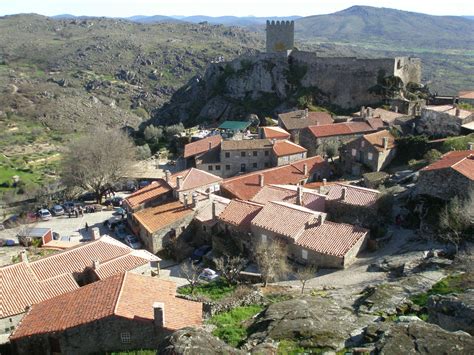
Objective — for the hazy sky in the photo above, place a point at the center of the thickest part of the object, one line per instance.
(123, 8)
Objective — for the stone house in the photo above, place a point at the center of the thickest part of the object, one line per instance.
(121, 313)
(443, 121)
(285, 152)
(296, 121)
(373, 151)
(193, 150)
(452, 175)
(210, 206)
(185, 183)
(317, 138)
(157, 192)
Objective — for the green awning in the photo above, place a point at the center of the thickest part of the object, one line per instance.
(235, 125)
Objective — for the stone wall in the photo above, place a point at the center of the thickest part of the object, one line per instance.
(7, 324)
(443, 184)
(288, 159)
(379, 159)
(317, 146)
(440, 124)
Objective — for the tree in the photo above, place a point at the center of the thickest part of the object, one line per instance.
(191, 273)
(331, 150)
(271, 260)
(97, 160)
(143, 152)
(305, 274)
(230, 267)
(174, 129)
(153, 134)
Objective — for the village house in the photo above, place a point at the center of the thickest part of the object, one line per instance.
(120, 313)
(187, 182)
(317, 138)
(452, 175)
(389, 118)
(373, 151)
(466, 97)
(193, 150)
(285, 152)
(294, 122)
(445, 120)
(308, 237)
(148, 196)
(273, 132)
(210, 206)
(29, 282)
(407, 107)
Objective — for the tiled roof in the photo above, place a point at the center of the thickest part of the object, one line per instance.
(386, 115)
(375, 123)
(123, 263)
(285, 219)
(288, 193)
(155, 218)
(345, 128)
(275, 133)
(246, 186)
(193, 178)
(331, 238)
(148, 193)
(466, 95)
(284, 147)
(355, 195)
(204, 214)
(126, 295)
(246, 144)
(298, 119)
(201, 146)
(239, 214)
(462, 161)
(450, 110)
(376, 139)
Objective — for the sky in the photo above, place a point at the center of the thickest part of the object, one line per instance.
(265, 8)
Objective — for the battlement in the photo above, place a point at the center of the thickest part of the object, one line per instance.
(280, 36)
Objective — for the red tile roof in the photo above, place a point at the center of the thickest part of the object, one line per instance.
(201, 146)
(288, 194)
(466, 95)
(275, 133)
(462, 161)
(345, 128)
(126, 295)
(148, 193)
(376, 139)
(331, 238)
(355, 195)
(246, 186)
(283, 147)
(155, 218)
(193, 178)
(299, 120)
(239, 214)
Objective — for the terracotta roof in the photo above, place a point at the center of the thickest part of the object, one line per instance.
(246, 144)
(205, 213)
(126, 295)
(466, 95)
(345, 128)
(288, 193)
(239, 214)
(155, 218)
(148, 193)
(376, 139)
(284, 147)
(285, 219)
(275, 133)
(450, 110)
(246, 186)
(331, 238)
(462, 161)
(298, 120)
(193, 178)
(355, 195)
(375, 123)
(130, 261)
(201, 146)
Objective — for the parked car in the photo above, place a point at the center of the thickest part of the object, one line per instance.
(120, 212)
(133, 242)
(200, 252)
(70, 205)
(113, 222)
(44, 214)
(114, 201)
(57, 210)
(7, 243)
(208, 275)
(12, 221)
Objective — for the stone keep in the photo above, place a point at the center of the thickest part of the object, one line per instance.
(280, 36)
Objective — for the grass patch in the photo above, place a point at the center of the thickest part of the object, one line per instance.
(212, 290)
(450, 284)
(231, 326)
(133, 352)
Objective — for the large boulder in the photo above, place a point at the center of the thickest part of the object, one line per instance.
(383, 299)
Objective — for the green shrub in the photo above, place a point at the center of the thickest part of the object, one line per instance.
(212, 290)
(457, 143)
(450, 284)
(432, 155)
(143, 152)
(411, 147)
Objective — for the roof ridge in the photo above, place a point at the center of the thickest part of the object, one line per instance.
(297, 208)
(248, 202)
(117, 300)
(357, 187)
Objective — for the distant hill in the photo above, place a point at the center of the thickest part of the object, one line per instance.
(469, 17)
(382, 26)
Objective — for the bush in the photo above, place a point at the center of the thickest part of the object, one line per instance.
(457, 143)
(174, 129)
(143, 152)
(153, 134)
(212, 290)
(432, 155)
(411, 147)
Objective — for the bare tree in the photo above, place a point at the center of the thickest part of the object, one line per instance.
(271, 260)
(97, 160)
(191, 273)
(230, 267)
(305, 274)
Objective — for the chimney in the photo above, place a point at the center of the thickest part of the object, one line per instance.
(395, 109)
(325, 181)
(179, 182)
(167, 175)
(385, 143)
(470, 146)
(344, 193)
(305, 169)
(273, 141)
(185, 199)
(299, 196)
(458, 112)
(24, 256)
(210, 145)
(367, 112)
(362, 112)
(95, 264)
(95, 233)
(194, 199)
(260, 180)
(214, 210)
(306, 113)
(321, 218)
(159, 314)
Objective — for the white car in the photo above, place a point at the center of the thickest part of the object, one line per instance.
(44, 214)
(208, 275)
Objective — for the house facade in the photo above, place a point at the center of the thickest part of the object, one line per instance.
(296, 121)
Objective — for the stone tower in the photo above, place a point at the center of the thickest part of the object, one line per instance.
(280, 36)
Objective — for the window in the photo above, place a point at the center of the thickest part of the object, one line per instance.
(254, 153)
(354, 152)
(304, 254)
(210, 168)
(227, 154)
(264, 238)
(362, 143)
(370, 156)
(255, 165)
(242, 154)
(125, 337)
(242, 168)
(227, 167)
(218, 167)
(266, 153)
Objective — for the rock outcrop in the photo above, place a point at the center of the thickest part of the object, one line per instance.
(453, 312)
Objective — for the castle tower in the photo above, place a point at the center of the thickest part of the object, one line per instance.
(280, 36)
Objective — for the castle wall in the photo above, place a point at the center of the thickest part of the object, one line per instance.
(280, 36)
